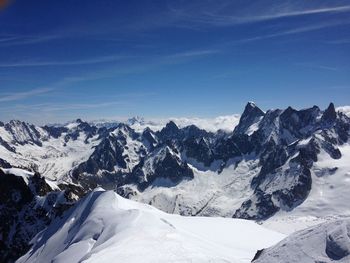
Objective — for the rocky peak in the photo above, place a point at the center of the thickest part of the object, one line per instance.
(251, 115)
(171, 126)
(136, 119)
(23, 132)
(329, 115)
(170, 131)
(123, 131)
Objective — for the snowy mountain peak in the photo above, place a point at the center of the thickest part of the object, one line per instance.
(171, 126)
(248, 122)
(136, 120)
(21, 132)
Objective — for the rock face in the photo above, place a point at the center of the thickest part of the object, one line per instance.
(251, 115)
(288, 144)
(327, 242)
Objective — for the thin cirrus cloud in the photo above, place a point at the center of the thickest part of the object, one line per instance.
(291, 31)
(89, 61)
(24, 95)
(70, 106)
(315, 66)
(18, 40)
(105, 59)
(192, 16)
(194, 53)
(337, 9)
(214, 16)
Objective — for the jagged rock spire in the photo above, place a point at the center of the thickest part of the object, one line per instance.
(250, 115)
(329, 114)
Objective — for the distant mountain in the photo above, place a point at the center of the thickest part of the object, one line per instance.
(274, 156)
(224, 123)
(270, 163)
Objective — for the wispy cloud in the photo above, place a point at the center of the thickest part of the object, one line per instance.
(53, 107)
(339, 41)
(20, 40)
(194, 53)
(315, 66)
(337, 9)
(225, 13)
(24, 95)
(88, 61)
(290, 31)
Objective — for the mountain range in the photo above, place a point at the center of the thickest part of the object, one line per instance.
(271, 166)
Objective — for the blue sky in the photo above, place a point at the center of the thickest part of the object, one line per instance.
(60, 60)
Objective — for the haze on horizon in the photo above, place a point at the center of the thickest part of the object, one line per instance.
(60, 61)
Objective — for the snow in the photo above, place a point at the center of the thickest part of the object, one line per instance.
(254, 127)
(328, 199)
(104, 227)
(55, 158)
(208, 193)
(327, 242)
(344, 109)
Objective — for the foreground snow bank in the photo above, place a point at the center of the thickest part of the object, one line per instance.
(326, 242)
(104, 227)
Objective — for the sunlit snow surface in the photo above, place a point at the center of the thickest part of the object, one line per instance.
(208, 193)
(54, 159)
(105, 227)
(325, 243)
(328, 199)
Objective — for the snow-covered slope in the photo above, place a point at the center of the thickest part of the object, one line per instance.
(326, 243)
(215, 194)
(51, 154)
(105, 227)
(328, 198)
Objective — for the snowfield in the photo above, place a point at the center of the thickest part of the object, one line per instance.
(326, 243)
(104, 227)
(54, 158)
(327, 199)
(216, 194)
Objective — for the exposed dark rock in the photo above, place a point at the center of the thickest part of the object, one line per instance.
(257, 254)
(21, 216)
(169, 132)
(338, 242)
(55, 131)
(262, 208)
(4, 164)
(251, 115)
(329, 115)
